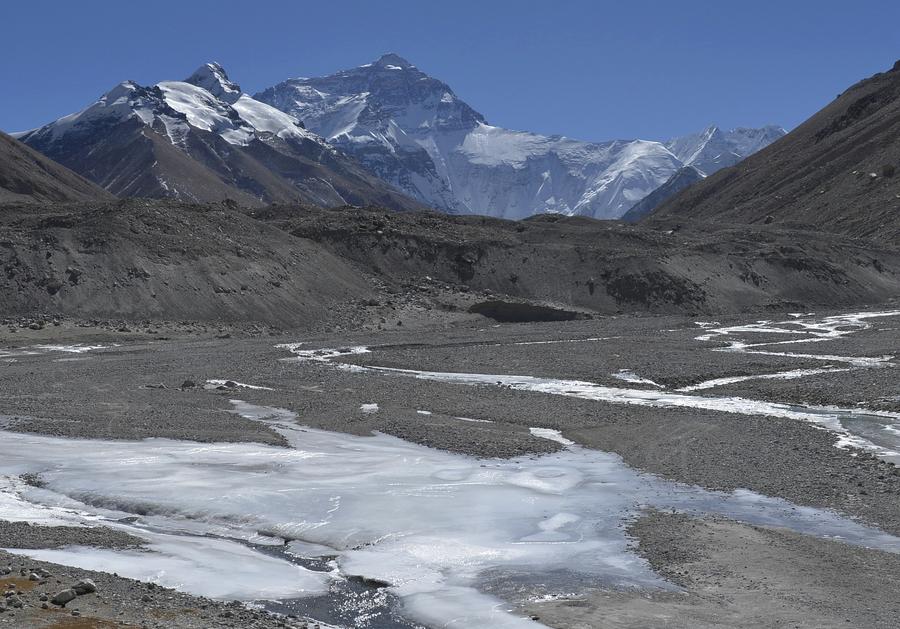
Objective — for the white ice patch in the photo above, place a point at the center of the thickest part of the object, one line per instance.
(781, 375)
(71, 349)
(215, 383)
(554, 342)
(629, 376)
(368, 408)
(36, 350)
(552, 435)
(322, 355)
(205, 566)
(430, 523)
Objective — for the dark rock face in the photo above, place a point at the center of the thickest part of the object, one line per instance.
(683, 178)
(829, 173)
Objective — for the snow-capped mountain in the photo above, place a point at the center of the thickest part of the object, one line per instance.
(713, 149)
(413, 132)
(202, 139)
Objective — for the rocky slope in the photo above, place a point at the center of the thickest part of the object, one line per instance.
(412, 131)
(682, 178)
(203, 140)
(837, 171)
(601, 267)
(164, 260)
(26, 175)
(298, 266)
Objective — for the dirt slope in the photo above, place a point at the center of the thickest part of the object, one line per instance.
(296, 265)
(26, 175)
(143, 260)
(838, 171)
(604, 266)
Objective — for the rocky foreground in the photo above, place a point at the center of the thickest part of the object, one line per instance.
(177, 380)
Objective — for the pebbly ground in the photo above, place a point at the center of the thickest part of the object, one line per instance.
(148, 386)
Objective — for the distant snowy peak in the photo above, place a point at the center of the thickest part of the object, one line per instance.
(207, 101)
(202, 139)
(213, 78)
(392, 61)
(713, 149)
(389, 96)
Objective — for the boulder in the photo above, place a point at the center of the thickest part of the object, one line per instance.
(61, 598)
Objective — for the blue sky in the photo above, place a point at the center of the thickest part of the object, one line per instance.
(590, 70)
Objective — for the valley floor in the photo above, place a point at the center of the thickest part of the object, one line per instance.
(780, 431)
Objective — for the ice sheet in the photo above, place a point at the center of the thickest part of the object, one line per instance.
(427, 522)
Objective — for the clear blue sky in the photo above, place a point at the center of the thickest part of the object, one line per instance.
(592, 70)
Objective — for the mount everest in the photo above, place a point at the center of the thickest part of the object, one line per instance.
(413, 132)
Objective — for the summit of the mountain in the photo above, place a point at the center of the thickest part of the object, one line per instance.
(213, 78)
(393, 61)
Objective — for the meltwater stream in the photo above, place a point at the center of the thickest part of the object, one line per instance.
(428, 525)
(873, 430)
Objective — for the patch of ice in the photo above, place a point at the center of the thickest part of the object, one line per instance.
(215, 383)
(781, 375)
(220, 569)
(72, 349)
(427, 522)
(554, 342)
(35, 350)
(368, 408)
(552, 435)
(324, 354)
(629, 376)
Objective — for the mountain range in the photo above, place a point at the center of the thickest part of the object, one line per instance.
(753, 236)
(384, 133)
(415, 133)
(200, 140)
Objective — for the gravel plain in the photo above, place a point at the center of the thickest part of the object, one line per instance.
(155, 385)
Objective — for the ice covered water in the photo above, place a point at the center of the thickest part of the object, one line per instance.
(429, 523)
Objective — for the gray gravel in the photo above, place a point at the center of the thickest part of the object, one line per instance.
(112, 394)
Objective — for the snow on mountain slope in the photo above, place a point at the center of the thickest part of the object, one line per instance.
(713, 149)
(227, 145)
(413, 132)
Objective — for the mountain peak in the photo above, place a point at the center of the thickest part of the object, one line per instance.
(213, 78)
(393, 60)
(124, 89)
